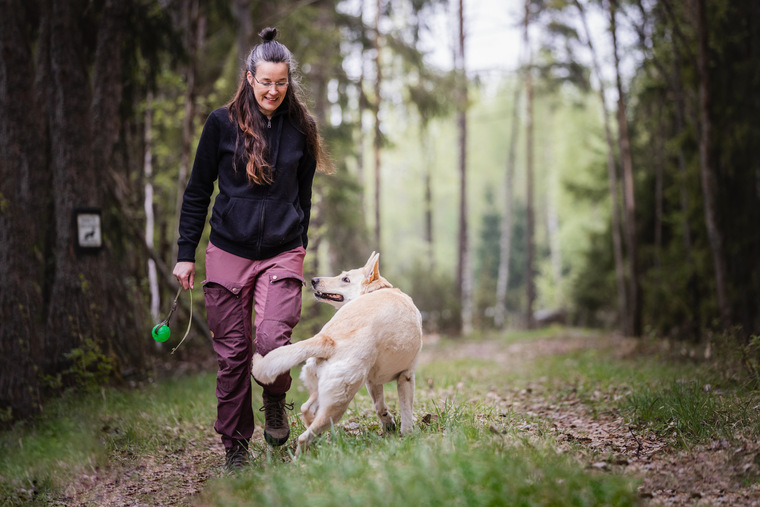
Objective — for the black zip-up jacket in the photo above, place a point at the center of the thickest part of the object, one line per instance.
(251, 221)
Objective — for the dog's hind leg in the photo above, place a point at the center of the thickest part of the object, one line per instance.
(405, 384)
(378, 400)
(311, 381)
(309, 409)
(334, 397)
(323, 420)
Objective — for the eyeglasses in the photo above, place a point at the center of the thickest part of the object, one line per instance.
(268, 84)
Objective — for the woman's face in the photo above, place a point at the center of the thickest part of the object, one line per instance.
(269, 86)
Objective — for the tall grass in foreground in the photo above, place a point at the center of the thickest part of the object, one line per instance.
(457, 460)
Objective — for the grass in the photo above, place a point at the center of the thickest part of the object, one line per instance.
(691, 413)
(455, 460)
(676, 401)
(468, 449)
(80, 433)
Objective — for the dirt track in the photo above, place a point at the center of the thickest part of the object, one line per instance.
(719, 473)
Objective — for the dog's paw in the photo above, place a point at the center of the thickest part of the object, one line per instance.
(389, 424)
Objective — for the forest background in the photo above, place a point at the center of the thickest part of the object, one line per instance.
(601, 173)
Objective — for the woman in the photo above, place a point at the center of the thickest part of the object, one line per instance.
(263, 149)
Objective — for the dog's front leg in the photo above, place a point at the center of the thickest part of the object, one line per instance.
(378, 400)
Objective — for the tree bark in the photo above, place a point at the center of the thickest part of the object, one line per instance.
(74, 311)
(107, 81)
(709, 184)
(24, 193)
(90, 308)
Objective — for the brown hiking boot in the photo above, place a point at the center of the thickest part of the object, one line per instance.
(236, 458)
(276, 427)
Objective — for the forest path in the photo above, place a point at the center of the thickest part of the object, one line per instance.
(719, 473)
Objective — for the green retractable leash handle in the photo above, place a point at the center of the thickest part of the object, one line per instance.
(161, 331)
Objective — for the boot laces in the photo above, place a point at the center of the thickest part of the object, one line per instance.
(274, 411)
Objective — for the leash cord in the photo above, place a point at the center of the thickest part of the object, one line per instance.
(189, 320)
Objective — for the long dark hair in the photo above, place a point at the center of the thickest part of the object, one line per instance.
(244, 111)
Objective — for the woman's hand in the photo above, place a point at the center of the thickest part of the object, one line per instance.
(184, 272)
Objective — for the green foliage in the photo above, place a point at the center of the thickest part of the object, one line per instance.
(594, 286)
(752, 359)
(434, 294)
(89, 368)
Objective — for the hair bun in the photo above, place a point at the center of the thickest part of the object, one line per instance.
(268, 34)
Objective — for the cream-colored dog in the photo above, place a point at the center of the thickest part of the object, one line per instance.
(374, 338)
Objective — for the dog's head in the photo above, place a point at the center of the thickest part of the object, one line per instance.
(349, 285)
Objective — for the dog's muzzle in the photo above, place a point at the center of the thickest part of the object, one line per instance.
(324, 295)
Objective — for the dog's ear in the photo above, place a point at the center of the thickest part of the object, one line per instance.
(371, 269)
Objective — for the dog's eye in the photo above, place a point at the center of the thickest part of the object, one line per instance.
(346, 280)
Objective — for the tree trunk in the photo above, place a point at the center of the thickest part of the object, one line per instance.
(709, 184)
(633, 318)
(89, 307)
(617, 242)
(552, 222)
(244, 35)
(319, 77)
(680, 119)
(364, 105)
(107, 81)
(24, 193)
(155, 295)
(378, 134)
(659, 159)
(74, 314)
(505, 240)
(195, 27)
(530, 287)
(464, 275)
(427, 183)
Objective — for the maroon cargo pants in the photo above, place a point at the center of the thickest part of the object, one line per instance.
(233, 288)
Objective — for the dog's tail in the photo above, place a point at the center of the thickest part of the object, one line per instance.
(266, 368)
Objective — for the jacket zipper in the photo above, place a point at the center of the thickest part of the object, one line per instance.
(269, 123)
(261, 229)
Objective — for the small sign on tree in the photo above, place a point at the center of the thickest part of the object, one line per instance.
(88, 229)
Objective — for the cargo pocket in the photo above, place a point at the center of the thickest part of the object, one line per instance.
(225, 316)
(284, 297)
(224, 309)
